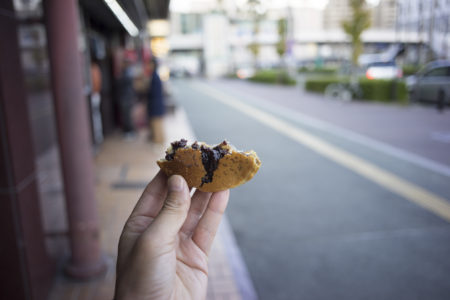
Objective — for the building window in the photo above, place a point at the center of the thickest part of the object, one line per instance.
(191, 23)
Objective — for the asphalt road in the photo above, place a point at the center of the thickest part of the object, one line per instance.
(329, 216)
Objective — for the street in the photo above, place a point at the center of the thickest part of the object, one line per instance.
(352, 200)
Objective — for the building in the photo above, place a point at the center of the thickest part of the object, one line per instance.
(384, 14)
(335, 12)
(428, 21)
(314, 33)
(214, 40)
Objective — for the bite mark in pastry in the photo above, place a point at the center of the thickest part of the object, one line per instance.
(209, 168)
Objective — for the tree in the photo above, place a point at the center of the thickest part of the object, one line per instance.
(255, 9)
(355, 26)
(281, 45)
(254, 45)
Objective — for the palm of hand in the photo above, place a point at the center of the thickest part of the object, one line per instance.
(158, 261)
(191, 270)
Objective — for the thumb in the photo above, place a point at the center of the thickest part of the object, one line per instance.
(175, 209)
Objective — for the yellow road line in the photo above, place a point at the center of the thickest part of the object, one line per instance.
(384, 178)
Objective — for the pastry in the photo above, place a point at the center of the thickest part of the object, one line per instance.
(209, 168)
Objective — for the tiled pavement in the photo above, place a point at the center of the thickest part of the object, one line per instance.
(122, 170)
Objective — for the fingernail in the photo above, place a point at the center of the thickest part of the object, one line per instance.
(175, 184)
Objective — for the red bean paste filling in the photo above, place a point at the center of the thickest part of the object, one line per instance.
(210, 160)
(210, 156)
(175, 146)
(195, 146)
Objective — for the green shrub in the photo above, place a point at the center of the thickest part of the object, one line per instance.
(411, 69)
(319, 71)
(265, 76)
(383, 90)
(319, 84)
(231, 76)
(283, 77)
(303, 70)
(273, 77)
(372, 90)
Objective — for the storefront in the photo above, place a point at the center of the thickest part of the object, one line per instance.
(58, 66)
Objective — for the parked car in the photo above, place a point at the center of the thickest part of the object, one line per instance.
(431, 84)
(383, 70)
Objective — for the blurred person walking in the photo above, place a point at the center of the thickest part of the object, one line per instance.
(155, 105)
(127, 96)
(96, 83)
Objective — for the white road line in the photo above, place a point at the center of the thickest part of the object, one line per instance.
(352, 136)
(384, 178)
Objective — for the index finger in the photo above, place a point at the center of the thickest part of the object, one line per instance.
(146, 209)
(152, 199)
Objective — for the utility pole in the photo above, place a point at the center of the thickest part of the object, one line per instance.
(430, 52)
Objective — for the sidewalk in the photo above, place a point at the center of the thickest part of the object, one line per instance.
(123, 168)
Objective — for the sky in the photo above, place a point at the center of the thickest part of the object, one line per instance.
(184, 5)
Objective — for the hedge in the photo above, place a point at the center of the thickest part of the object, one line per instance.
(383, 90)
(318, 71)
(376, 90)
(411, 69)
(319, 84)
(273, 77)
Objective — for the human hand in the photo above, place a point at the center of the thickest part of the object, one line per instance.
(165, 243)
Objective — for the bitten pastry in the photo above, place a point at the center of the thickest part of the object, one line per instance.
(210, 168)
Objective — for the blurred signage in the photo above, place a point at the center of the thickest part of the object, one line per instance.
(159, 46)
(158, 28)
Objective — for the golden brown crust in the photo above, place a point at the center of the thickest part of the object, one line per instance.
(187, 163)
(233, 169)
